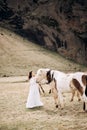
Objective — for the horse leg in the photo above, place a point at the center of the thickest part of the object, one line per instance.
(72, 90)
(40, 87)
(73, 94)
(78, 95)
(55, 95)
(54, 91)
(60, 96)
(49, 91)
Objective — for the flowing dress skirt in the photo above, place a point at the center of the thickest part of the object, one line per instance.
(33, 99)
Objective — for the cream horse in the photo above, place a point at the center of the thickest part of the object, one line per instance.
(59, 82)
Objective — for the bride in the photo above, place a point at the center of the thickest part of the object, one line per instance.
(33, 99)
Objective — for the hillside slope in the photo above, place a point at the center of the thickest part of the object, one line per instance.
(18, 56)
(59, 25)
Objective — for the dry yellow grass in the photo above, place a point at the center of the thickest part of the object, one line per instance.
(14, 115)
(17, 57)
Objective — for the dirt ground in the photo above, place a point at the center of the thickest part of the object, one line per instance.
(15, 116)
(17, 58)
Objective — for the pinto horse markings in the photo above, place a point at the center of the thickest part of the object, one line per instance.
(64, 83)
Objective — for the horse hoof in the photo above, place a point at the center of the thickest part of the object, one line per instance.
(71, 100)
(56, 106)
(79, 100)
(49, 91)
(84, 106)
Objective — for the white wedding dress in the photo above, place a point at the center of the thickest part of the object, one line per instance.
(33, 99)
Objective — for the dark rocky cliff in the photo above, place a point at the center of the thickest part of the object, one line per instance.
(60, 25)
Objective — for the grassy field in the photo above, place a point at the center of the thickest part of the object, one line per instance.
(17, 57)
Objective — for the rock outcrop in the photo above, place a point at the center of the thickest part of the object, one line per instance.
(60, 25)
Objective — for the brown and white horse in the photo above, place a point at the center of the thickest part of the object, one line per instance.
(59, 82)
(81, 86)
(66, 82)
